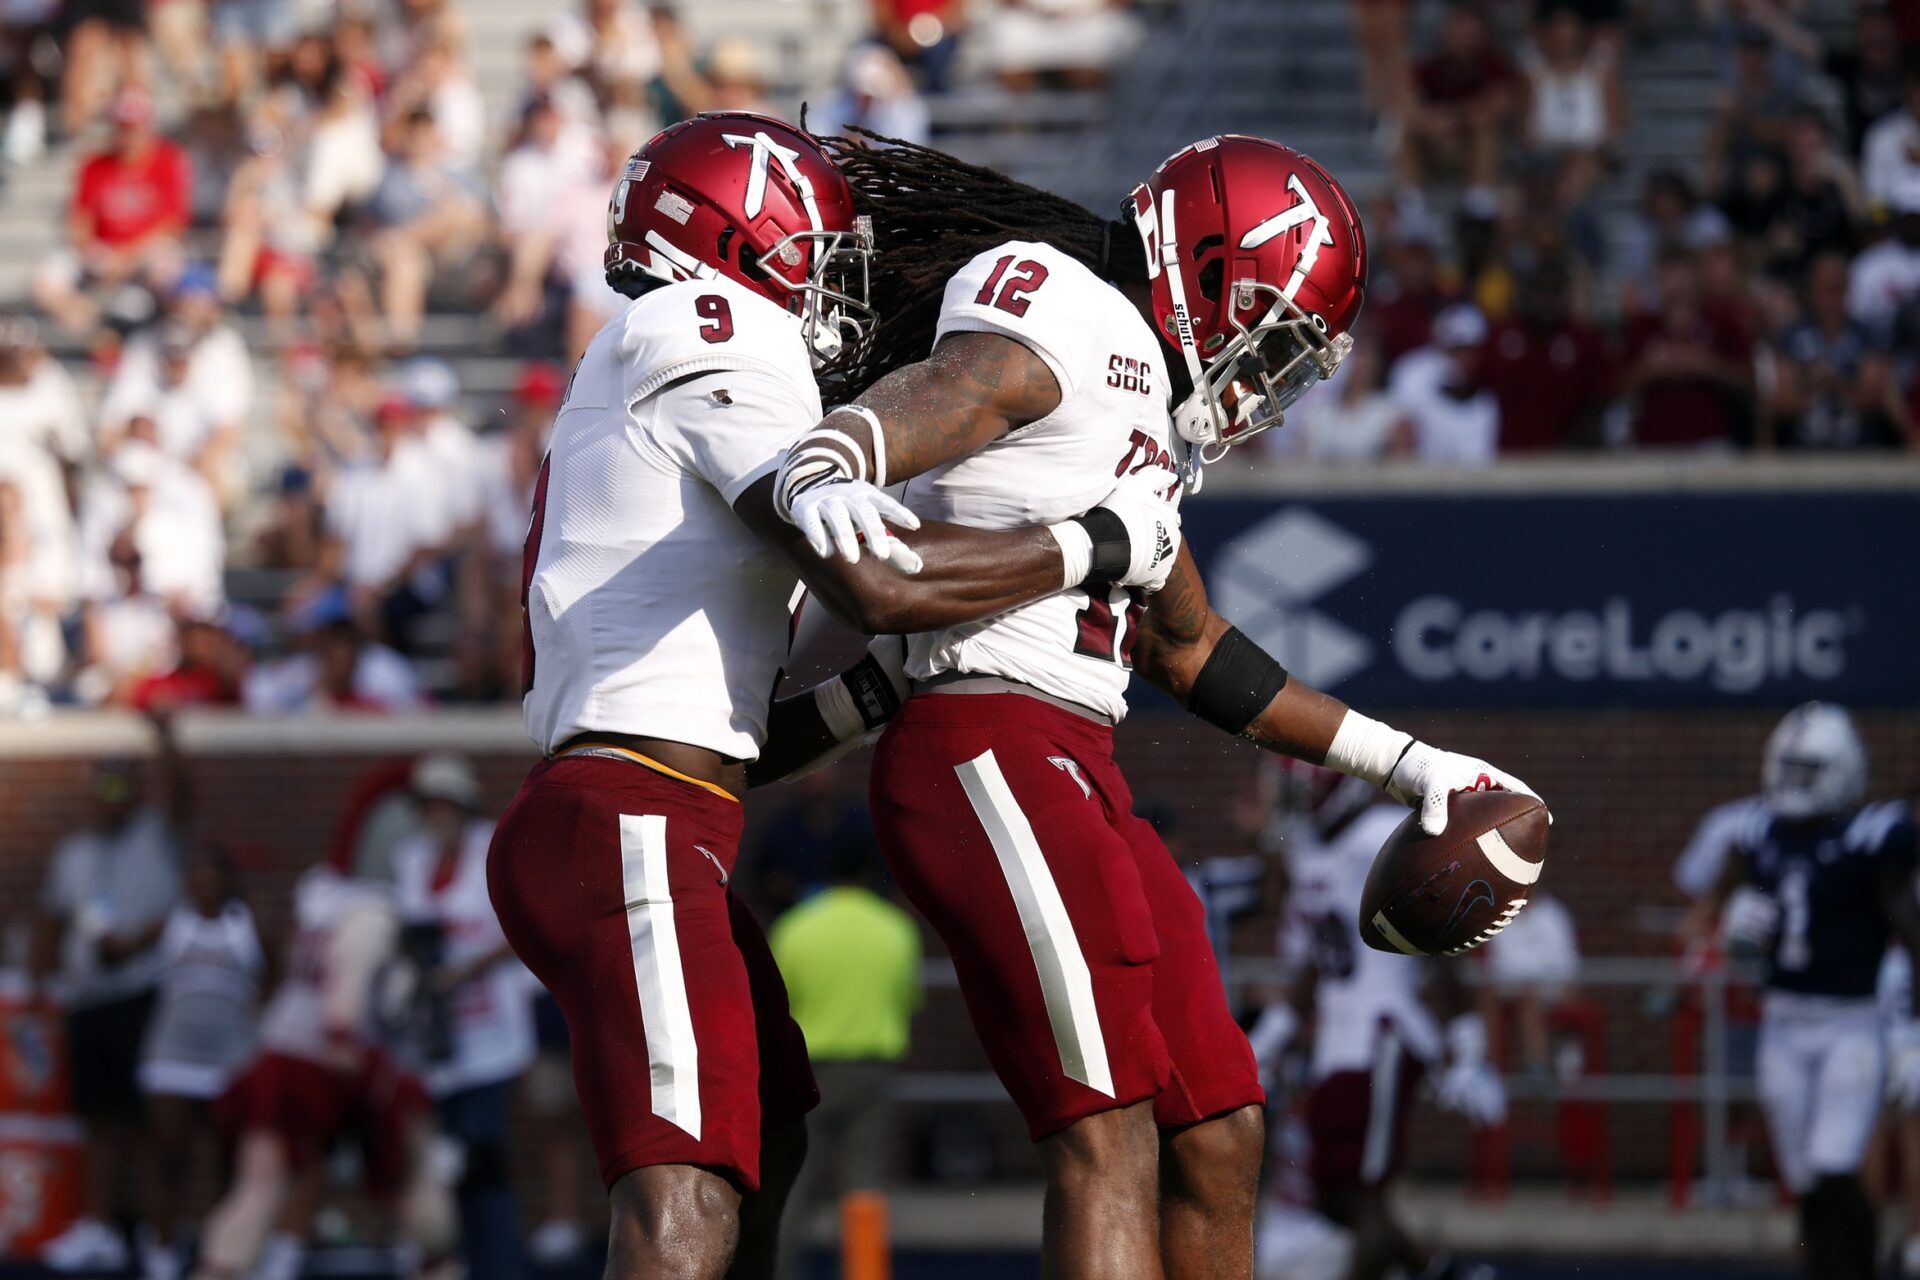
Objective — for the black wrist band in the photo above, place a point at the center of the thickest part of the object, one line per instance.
(874, 695)
(1236, 683)
(1112, 548)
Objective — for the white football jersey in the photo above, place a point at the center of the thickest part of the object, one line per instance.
(1112, 418)
(1360, 990)
(651, 609)
(295, 1019)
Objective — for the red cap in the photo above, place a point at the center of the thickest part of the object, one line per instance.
(540, 385)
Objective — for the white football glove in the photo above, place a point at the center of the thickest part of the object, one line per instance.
(1152, 522)
(1903, 1064)
(1749, 919)
(1470, 1085)
(1426, 776)
(836, 515)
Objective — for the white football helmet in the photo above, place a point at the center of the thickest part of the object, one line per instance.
(1814, 763)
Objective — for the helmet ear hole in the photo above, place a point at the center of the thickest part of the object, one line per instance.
(1211, 279)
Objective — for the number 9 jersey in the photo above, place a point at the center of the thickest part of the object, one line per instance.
(650, 609)
(1111, 419)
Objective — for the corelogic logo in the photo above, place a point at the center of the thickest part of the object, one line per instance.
(1268, 580)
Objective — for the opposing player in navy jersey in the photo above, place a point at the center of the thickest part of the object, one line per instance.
(1819, 887)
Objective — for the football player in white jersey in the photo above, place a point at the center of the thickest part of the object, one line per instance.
(657, 585)
(1033, 354)
(1372, 1034)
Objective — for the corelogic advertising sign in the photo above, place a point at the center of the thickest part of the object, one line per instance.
(1656, 600)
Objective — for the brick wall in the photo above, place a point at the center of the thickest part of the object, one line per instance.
(1626, 789)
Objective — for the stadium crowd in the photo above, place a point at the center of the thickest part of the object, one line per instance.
(241, 302)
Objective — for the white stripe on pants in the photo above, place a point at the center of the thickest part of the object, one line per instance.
(673, 1059)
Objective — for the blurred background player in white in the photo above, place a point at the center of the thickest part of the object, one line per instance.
(1531, 967)
(1820, 886)
(322, 1074)
(479, 1013)
(114, 879)
(1373, 1036)
(214, 971)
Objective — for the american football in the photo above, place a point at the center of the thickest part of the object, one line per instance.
(1445, 894)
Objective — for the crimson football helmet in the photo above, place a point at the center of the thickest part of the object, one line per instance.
(749, 197)
(1258, 266)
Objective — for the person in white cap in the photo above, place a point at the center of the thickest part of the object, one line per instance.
(480, 1025)
(1456, 420)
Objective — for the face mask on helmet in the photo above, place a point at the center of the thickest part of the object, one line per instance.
(835, 316)
(1260, 372)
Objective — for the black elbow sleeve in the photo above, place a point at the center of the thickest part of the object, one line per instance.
(1235, 685)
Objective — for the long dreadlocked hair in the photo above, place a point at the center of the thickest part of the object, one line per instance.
(932, 214)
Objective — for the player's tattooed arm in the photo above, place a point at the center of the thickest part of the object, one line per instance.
(1178, 637)
(972, 389)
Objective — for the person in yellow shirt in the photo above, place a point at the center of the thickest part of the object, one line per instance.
(851, 960)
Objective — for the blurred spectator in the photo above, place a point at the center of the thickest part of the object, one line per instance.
(1548, 368)
(480, 1018)
(923, 34)
(104, 51)
(851, 960)
(167, 513)
(1885, 278)
(1406, 292)
(214, 968)
(1531, 968)
(607, 42)
(1465, 95)
(489, 651)
(1574, 113)
(1072, 42)
(428, 216)
(337, 668)
(127, 631)
(1890, 153)
(736, 79)
(39, 406)
(440, 83)
(1687, 366)
(26, 38)
(106, 886)
(1869, 75)
(1456, 420)
(343, 163)
(1818, 206)
(561, 1234)
(272, 238)
(1756, 111)
(130, 204)
(1670, 215)
(1380, 30)
(1832, 387)
(1351, 419)
(243, 32)
(208, 669)
(877, 94)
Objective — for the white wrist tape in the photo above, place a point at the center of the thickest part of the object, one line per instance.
(1365, 748)
(838, 709)
(1076, 552)
(872, 420)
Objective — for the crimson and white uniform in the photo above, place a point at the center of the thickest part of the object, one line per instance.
(1081, 949)
(652, 609)
(1112, 418)
(318, 1073)
(1372, 1034)
(654, 612)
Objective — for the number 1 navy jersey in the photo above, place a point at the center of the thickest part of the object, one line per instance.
(651, 608)
(1111, 419)
(1823, 874)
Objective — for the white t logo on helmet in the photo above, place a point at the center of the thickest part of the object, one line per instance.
(1286, 220)
(765, 151)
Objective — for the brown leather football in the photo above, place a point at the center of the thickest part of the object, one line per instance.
(1445, 894)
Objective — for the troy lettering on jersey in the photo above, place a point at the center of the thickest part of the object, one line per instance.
(1129, 374)
(1143, 446)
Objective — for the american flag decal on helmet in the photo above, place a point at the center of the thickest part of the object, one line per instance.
(637, 168)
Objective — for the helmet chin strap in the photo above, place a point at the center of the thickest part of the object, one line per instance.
(1197, 412)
